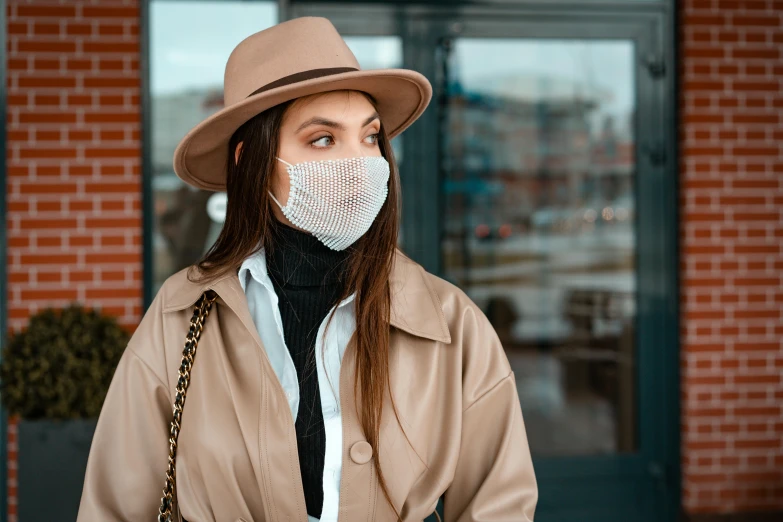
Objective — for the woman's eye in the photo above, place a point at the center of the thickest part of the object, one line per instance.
(315, 141)
(374, 137)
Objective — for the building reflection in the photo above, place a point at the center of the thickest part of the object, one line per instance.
(539, 230)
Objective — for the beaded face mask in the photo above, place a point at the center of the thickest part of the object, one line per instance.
(336, 200)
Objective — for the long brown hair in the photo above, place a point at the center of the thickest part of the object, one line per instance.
(250, 222)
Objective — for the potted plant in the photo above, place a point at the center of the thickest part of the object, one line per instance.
(54, 376)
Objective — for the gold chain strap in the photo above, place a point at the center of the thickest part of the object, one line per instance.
(200, 313)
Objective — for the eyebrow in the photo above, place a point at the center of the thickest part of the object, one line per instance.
(319, 120)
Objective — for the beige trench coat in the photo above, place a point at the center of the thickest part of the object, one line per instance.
(237, 458)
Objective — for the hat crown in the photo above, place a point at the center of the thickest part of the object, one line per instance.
(288, 48)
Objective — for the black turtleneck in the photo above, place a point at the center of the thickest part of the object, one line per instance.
(307, 277)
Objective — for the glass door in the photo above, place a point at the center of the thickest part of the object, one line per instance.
(544, 179)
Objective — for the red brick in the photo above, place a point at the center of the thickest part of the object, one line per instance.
(47, 188)
(80, 206)
(113, 293)
(759, 411)
(46, 28)
(112, 241)
(54, 82)
(105, 29)
(90, 11)
(714, 52)
(49, 277)
(704, 20)
(42, 63)
(763, 184)
(111, 117)
(44, 46)
(755, 21)
(78, 29)
(30, 223)
(49, 294)
(755, 54)
(80, 276)
(78, 64)
(80, 241)
(111, 64)
(46, 11)
(110, 47)
(79, 99)
(766, 443)
(771, 119)
(103, 258)
(48, 206)
(101, 82)
(16, 28)
(111, 134)
(79, 135)
(112, 188)
(757, 379)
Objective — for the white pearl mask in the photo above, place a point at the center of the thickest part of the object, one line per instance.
(336, 200)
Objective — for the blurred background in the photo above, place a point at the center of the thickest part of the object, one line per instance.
(603, 178)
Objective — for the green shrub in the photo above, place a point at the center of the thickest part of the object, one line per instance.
(60, 366)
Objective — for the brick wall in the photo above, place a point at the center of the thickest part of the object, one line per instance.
(732, 254)
(73, 162)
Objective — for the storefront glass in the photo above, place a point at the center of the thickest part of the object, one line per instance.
(539, 225)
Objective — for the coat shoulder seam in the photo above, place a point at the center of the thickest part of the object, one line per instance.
(490, 390)
(148, 366)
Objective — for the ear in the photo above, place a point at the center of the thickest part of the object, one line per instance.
(236, 152)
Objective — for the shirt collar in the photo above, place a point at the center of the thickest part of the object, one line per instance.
(416, 307)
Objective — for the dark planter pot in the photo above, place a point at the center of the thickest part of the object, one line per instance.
(52, 461)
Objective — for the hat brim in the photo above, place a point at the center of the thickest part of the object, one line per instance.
(200, 157)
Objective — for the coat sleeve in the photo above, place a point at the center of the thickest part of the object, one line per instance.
(129, 452)
(494, 480)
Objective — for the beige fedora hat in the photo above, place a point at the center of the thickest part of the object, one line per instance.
(294, 58)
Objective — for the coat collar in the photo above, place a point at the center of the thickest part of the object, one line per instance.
(416, 308)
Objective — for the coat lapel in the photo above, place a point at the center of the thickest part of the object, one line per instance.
(416, 308)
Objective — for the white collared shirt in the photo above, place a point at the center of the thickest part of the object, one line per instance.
(263, 303)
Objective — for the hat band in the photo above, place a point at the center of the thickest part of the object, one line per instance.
(302, 76)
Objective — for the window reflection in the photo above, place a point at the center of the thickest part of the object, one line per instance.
(539, 225)
(190, 42)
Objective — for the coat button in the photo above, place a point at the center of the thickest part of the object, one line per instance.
(361, 452)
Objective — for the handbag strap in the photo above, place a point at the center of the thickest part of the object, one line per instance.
(200, 313)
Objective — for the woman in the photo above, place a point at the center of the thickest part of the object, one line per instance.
(334, 376)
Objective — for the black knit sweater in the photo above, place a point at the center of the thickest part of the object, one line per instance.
(307, 277)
